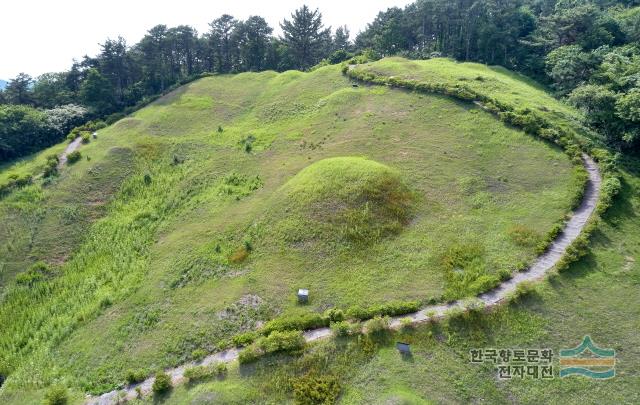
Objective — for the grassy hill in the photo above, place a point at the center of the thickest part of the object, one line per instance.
(199, 217)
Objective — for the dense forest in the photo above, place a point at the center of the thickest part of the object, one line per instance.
(586, 51)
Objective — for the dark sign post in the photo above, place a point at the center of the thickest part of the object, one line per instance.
(403, 348)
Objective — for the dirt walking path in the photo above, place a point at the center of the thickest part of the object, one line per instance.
(536, 272)
(75, 144)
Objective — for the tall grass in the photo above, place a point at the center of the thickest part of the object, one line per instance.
(109, 266)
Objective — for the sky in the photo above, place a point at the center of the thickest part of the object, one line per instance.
(50, 34)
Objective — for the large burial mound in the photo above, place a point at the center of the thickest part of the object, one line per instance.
(349, 200)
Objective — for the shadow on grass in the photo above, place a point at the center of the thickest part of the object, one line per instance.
(162, 397)
(622, 207)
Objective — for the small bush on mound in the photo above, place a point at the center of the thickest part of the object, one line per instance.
(56, 395)
(162, 383)
(135, 376)
(239, 256)
(74, 156)
(315, 389)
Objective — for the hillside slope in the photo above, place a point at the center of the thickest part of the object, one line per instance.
(187, 222)
(597, 296)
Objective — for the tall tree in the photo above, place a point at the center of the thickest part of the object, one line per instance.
(185, 48)
(50, 90)
(153, 49)
(220, 40)
(305, 37)
(18, 90)
(252, 37)
(114, 64)
(341, 40)
(97, 92)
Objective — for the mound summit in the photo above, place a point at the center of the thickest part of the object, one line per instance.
(344, 199)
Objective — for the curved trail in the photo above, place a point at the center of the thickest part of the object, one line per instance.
(75, 144)
(537, 271)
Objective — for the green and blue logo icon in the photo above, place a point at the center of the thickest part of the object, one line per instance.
(588, 360)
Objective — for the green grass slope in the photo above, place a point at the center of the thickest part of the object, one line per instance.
(597, 296)
(492, 81)
(195, 219)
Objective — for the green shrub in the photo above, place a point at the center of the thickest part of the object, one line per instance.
(611, 186)
(200, 373)
(341, 328)
(392, 308)
(299, 322)
(86, 137)
(51, 166)
(198, 354)
(474, 306)
(249, 355)
(334, 314)
(377, 325)
(548, 239)
(287, 341)
(162, 383)
(15, 181)
(315, 389)
(281, 342)
(220, 369)
(504, 274)
(74, 156)
(358, 312)
(244, 339)
(406, 324)
(37, 272)
(523, 289)
(135, 376)
(56, 395)
(113, 118)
